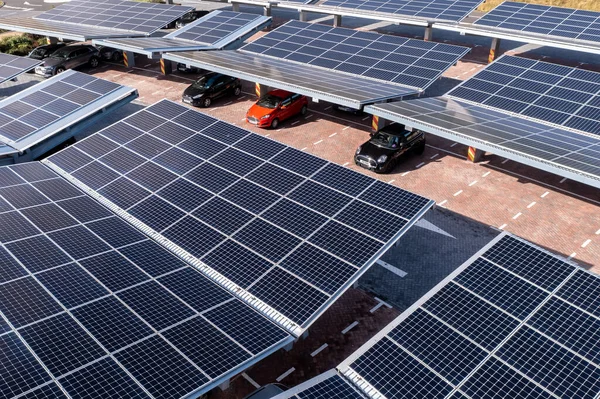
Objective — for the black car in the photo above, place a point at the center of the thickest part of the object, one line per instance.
(211, 85)
(386, 146)
(41, 52)
(181, 67)
(189, 18)
(110, 54)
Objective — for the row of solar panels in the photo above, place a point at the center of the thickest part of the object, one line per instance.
(512, 322)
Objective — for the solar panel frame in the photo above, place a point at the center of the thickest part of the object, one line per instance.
(12, 66)
(245, 231)
(79, 325)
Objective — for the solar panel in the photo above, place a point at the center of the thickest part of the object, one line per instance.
(394, 59)
(564, 96)
(215, 26)
(430, 10)
(12, 66)
(83, 296)
(237, 220)
(144, 18)
(49, 107)
(544, 20)
(463, 338)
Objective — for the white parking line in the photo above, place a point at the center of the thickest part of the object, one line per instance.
(544, 195)
(309, 116)
(486, 174)
(302, 149)
(442, 203)
(453, 145)
(250, 380)
(393, 269)
(564, 179)
(505, 161)
(502, 227)
(350, 327)
(229, 103)
(319, 349)
(419, 165)
(458, 193)
(532, 204)
(365, 118)
(282, 376)
(405, 173)
(586, 243)
(147, 65)
(574, 254)
(333, 134)
(345, 163)
(346, 128)
(472, 183)
(295, 123)
(317, 142)
(391, 181)
(327, 109)
(434, 156)
(517, 216)
(598, 233)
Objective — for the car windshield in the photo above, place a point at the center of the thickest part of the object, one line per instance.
(189, 17)
(61, 53)
(382, 139)
(38, 51)
(204, 82)
(269, 101)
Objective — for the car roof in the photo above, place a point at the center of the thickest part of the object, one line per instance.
(280, 93)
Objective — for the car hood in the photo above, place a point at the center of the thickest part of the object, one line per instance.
(52, 61)
(370, 150)
(193, 91)
(258, 112)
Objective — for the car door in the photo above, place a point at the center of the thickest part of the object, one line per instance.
(74, 59)
(296, 104)
(219, 87)
(286, 110)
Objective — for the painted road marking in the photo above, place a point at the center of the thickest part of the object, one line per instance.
(585, 244)
(327, 109)
(517, 216)
(345, 163)
(391, 268)
(350, 327)
(458, 192)
(405, 173)
(598, 233)
(365, 118)
(319, 349)
(333, 134)
(267, 135)
(442, 203)
(419, 165)
(434, 156)
(302, 149)
(391, 181)
(453, 145)
(486, 174)
(346, 128)
(295, 123)
(229, 103)
(564, 179)
(530, 205)
(147, 65)
(473, 183)
(250, 380)
(317, 142)
(502, 227)
(309, 116)
(282, 376)
(544, 195)
(505, 161)
(572, 255)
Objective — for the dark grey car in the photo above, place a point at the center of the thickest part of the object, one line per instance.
(69, 57)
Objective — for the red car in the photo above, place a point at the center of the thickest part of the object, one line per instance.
(275, 107)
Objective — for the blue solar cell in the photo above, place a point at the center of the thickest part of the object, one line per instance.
(78, 242)
(177, 161)
(38, 253)
(61, 344)
(9, 268)
(151, 176)
(22, 196)
(250, 196)
(102, 379)
(96, 146)
(114, 271)
(145, 120)
(394, 199)
(9, 178)
(260, 147)
(222, 215)
(48, 217)
(275, 178)
(84, 209)
(33, 171)
(71, 285)
(267, 240)
(583, 290)
(204, 344)
(14, 227)
(115, 232)
(193, 236)
(155, 305)
(210, 177)
(346, 243)
(319, 198)
(15, 359)
(164, 372)
(95, 175)
(370, 220)
(236, 161)
(294, 218)
(299, 162)
(24, 301)
(343, 179)
(57, 189)
(202, 146)
(147, 210)
(147, 146)
(124, 193)
(122, 160)
(152, 258)
(225, 133)
(172, 133)
(50, 391)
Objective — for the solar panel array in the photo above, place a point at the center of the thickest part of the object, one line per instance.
(12, 65)
(557, 94)
(440, 10)
(56, 98)
(92, 307)
(394, 59)
(116, 14)
(517, 322)
(290, 228)
(215, 28)
(544, 20)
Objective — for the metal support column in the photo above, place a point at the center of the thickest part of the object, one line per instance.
(303, 16)
(494, 49)
(224, 385)
(235, 7)
(474, 155)
(377, 123)
(166, 66)
(337, 21)
(52, 40)
(260, 90)
(428, 34)
(129, 59)
(267, 11)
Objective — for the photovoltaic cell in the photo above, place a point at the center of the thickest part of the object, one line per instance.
(544, 20)
(16, 358)
(12, 66)
(230, 209)
(25, 301)
(406, 62)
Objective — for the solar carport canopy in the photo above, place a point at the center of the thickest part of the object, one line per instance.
(41, 111)
(537, 113)
(283, 230)
(505, 324)
(211, 32)
(12, 66)
(566, 28)
(343, 66)
(94, 308)
(83, 20)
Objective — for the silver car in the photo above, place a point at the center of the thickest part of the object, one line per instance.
(69, 57)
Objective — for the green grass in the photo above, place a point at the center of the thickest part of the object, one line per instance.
(19, 44)
(593, 5)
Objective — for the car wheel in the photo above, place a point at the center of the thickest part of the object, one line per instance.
(206, 102)
(237, 91)
(94, 62)
(420, 148)
(116, 56)
(274, 123)
(303, 110)
(59, 70)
